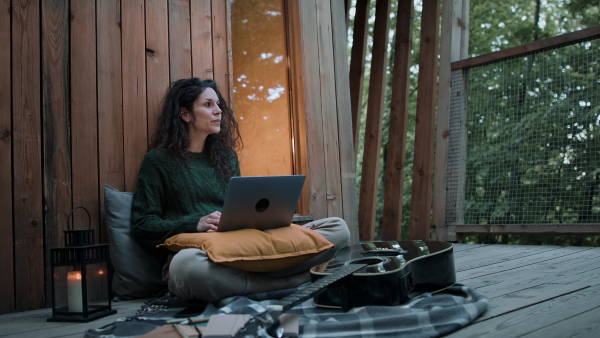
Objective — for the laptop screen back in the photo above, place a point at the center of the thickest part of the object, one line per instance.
(260, 202)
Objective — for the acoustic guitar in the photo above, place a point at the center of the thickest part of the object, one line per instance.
(396, 272)
(371, 273)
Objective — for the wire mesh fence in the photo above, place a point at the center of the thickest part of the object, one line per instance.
(524, 144)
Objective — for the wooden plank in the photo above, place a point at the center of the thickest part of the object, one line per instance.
(84, 120)
(527, 297)
(467, 249)
(329, 110)
(134, 90)
(536, 260)
(157, 59)
(297, 103)
(420, 205)
(110, 95)
(536, 317)
(27, 156)
(7, 273)
(521, 277)
(56, 125)
(357, 65)
(33, 323)
(221, 51)
(396, 148)
(367, 205)
(451, 45)
(518, 254)
(553, 42)
(344, 119)
(180, 48)
(577, 228)
(308, 48)
(202, 49)
(585, 322)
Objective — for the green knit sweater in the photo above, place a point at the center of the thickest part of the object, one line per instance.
(171, 196)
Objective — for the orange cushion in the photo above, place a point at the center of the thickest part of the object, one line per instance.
(254, 250)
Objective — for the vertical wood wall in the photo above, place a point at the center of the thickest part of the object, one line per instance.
(320, 81)
(80, 88)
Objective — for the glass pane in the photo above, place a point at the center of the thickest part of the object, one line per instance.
(260, 80)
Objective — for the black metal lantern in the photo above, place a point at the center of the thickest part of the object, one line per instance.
(80, 278)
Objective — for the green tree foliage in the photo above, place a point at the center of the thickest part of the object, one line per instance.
(534, 153)
(497, 25)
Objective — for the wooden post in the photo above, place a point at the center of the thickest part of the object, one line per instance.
(357, 65)
(396, 148)
(420, 209)
(454, 47)
(344, 114)
(372, 145)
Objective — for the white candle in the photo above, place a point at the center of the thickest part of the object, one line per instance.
(74, 288)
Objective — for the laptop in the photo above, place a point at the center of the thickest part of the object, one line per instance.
(260, 202)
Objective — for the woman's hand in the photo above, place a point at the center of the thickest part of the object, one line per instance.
(209, 222)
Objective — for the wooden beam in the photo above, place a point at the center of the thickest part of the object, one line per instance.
(27, 156)
(7, 273)
(357, 65)
(344, 122)
(553, 42)
(157, 59)
(396, 147)
(420, 210)
(372, 143)
(135, 116)
(525, 229)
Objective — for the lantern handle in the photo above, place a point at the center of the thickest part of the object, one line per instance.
(88, 214)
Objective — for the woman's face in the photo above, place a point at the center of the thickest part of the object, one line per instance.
(205, 118)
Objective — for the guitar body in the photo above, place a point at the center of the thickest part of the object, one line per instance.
(396, 272)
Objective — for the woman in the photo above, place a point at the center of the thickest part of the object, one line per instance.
(181, 188)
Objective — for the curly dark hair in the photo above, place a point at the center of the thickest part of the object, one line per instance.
(172, 132)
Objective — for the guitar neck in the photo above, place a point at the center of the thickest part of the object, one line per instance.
(317, 287)
(269, 317)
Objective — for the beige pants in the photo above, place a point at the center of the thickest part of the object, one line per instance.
(193, 276)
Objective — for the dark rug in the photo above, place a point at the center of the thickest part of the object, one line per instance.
(430, 315)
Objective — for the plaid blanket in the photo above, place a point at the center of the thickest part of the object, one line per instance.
(431, 315)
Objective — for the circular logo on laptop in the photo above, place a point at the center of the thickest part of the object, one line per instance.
(262, 205)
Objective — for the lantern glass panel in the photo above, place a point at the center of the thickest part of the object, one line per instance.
(97, 279)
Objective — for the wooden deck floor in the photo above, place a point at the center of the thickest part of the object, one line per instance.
(534, 291)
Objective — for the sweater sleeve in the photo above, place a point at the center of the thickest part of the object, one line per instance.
(148, 225)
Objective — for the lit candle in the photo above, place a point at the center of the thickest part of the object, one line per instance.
(74, 287)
